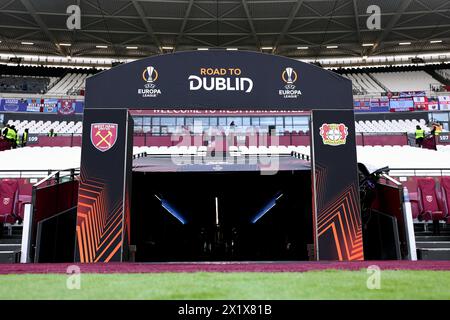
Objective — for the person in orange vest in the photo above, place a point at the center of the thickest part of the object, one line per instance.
(438, 129)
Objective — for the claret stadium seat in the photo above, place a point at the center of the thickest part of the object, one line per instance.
(413, 198)
(428, 201)
(445, 190)
(9, 194)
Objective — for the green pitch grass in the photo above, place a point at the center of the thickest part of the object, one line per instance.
(308, 285)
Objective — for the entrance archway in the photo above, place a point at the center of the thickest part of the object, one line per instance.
(216, 80)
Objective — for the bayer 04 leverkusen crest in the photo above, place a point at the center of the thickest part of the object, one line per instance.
(334, 134)
(103, 135)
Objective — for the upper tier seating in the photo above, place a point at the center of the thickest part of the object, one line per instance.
(445, 73)
(71, 83)
(20, 84)
(406, 80)
(363, 83)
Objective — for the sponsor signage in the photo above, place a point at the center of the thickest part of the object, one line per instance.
(401, 104)
(62, 106)
(50, 105)
(420, 103)
(13, 105)
(35, 105)
(407, 94)
(444, 102)
(433, 104)
(371, 105)
(362, 105)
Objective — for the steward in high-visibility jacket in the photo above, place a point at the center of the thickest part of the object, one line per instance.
(5, 131)
(438, 130)
(15, 137)
(18, 139)
(10, 135)
(420, 135)
(25, 138)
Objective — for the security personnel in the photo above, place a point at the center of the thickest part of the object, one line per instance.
(51, 133)
(18, 139)
(10, 135)
(420, 135)
(15, 137)
(438, 129)
(5, 131)
(25, 138)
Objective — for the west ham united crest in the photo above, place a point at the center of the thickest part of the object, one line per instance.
(103, 135)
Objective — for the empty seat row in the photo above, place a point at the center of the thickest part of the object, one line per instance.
(390, 126)
(405, 80)
(71, 82)
(41, 127)
(363, 83)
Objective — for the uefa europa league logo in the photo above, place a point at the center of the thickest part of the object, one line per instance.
(150, 74)
(289, 76)
(289, 72)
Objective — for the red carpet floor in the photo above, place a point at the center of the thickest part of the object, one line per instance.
(223, 267)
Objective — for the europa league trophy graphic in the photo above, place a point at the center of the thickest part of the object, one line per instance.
(289, 72)
(150, 74)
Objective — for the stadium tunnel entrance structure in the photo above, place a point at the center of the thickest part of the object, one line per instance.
(215, 80)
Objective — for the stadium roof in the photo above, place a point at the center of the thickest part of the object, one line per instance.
(295, 28)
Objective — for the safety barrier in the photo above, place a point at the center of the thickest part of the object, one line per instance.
(286, 139)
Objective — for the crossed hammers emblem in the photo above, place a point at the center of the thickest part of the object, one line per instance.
(103, 138)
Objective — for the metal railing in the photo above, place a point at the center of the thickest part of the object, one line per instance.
(419, 172)
(55, 177)
(31, 174)
(301, 156)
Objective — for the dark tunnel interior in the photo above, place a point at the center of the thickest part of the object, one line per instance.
(221, 216)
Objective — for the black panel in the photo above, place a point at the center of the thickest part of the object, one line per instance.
(336, 187)
(55, 241)
(119, 87)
